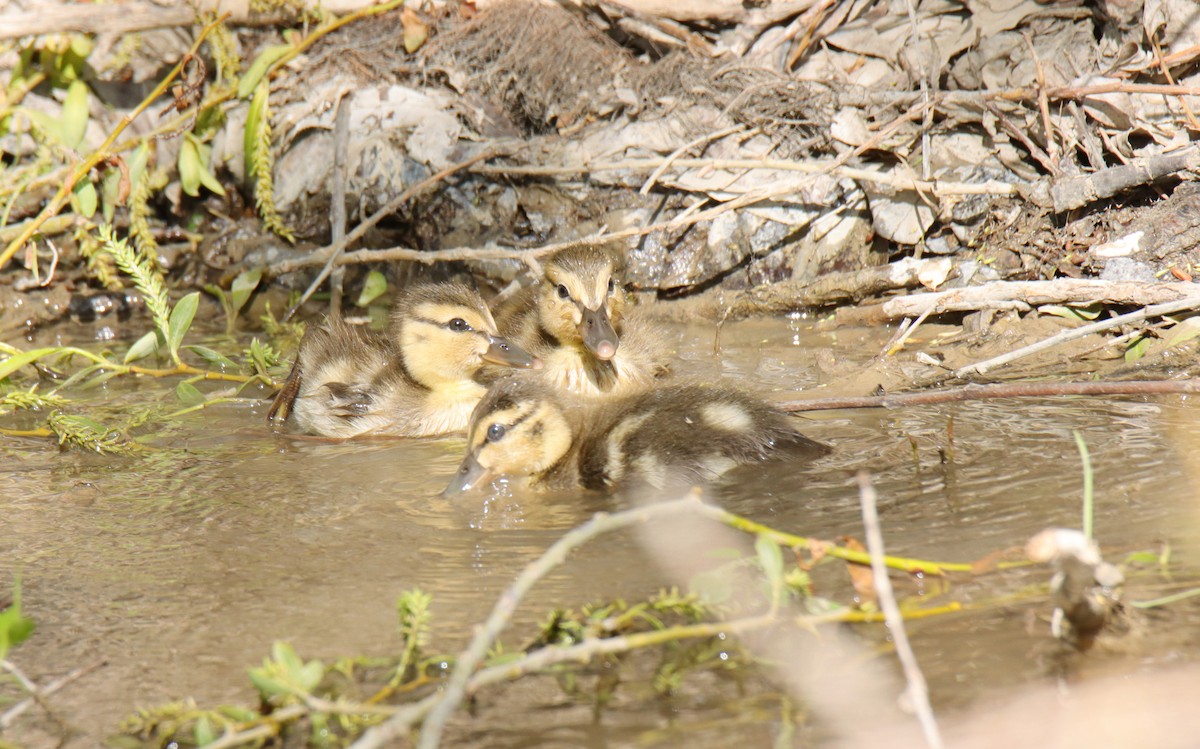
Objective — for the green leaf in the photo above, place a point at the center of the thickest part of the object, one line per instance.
(374, 287)
(15, 627)
(259, 68)
(181, 319)
(309, 676)
(16, 361)
(239, 713)
(771, 559)
(1183, 331)
(711, 586)
(207, 178)
(75, 114)
(50, 125)
(205, 732)
(1148, 558)
(81, 45)
(254, 121)
(285, 655)
(110, 188)
(138, 163)
(265, 683)
(84, 198)
(243, 286)
(188, 394)
(1090, 312)
(212, 357)
(1137, 349)
(189, 167)
(144, 346)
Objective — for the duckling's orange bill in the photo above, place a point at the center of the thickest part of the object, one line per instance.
(469, 475)
(502, 352)
(598, 333)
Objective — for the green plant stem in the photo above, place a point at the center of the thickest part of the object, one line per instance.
(39, 432)
(922, 566)
(103, 152)
(1163, 601)
(111, 366)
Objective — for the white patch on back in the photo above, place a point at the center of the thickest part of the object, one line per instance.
(728, 416)
(614, 464)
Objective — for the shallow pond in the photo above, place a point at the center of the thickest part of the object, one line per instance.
(179, 568)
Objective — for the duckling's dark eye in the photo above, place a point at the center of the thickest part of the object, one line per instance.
(563, 293)
(495, 432)
(458, 325)
(612, 286)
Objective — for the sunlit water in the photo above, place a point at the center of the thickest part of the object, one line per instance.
(181, 567)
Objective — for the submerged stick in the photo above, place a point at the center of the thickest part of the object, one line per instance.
(974, 392)
(39, 693)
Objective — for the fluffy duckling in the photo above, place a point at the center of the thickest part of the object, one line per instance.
(418, 380)
(574, 320)
(678, 436)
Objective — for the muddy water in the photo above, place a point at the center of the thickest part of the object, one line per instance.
(178, 570)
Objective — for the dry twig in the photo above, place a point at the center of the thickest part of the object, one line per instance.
(976, 391)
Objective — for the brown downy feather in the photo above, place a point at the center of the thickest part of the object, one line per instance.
(575, 320)
(671, 436)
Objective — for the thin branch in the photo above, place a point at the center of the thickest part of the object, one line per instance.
(39, 693)
(325, 253)
(974, 391)
(936, 187)
(918, 691)
(671, 157)
(1154, 310)
(527, 256)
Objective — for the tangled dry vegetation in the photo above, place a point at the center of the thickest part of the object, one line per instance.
(752, 157)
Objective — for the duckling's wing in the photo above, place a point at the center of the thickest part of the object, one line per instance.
(348, 400)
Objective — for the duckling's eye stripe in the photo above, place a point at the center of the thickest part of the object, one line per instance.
(444, 324)
(520, 420)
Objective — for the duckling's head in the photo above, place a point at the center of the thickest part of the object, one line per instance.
(445, 334)
(581, 300)
(518, 430)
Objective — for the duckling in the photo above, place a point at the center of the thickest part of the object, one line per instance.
(677, 435)
(418, 380)
(574, 321)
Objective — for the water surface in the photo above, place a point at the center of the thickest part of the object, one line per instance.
(180, 567)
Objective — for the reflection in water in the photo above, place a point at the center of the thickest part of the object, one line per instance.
(182, 566)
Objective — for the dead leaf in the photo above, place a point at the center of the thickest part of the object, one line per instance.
(816, 551)
(415, 30)
(988, 562)
(861, 576)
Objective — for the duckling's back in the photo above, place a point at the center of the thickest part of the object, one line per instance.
(338, 362)
(684, 435)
